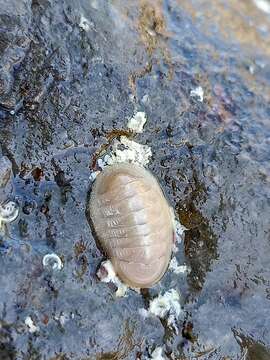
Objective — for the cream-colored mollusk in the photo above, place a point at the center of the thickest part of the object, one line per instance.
(133, 223)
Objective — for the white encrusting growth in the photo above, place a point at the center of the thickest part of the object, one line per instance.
(176, 268)
(157, 354)
(30, 324)
(165, 306)
(198, 93)
(52, 261)
(124, 151)
(94, 4)
(179, 229)
(84, 24)
(136, 123)
(178, 232)
(111, 277)
(93, 175)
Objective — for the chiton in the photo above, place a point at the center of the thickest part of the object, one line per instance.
(133, 223)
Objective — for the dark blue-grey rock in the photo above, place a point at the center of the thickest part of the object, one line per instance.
(71, 75)
(5, 178)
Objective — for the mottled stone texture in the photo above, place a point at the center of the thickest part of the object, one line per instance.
(71, 74)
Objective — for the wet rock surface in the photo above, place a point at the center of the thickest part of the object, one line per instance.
(71, 74)
(5, 178)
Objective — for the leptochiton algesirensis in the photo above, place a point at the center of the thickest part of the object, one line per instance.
(133, 223)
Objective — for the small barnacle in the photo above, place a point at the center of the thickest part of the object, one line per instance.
(52, 261)
(9, 212)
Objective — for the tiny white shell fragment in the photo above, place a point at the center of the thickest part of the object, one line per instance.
(251, 69)
(84, 24)
(9, 212)
(31, 326)
(52, 261)
(157, 354)
(197, 92)
(179, 230)
(137, 122)
(94, 4)
(111, 277)
(263, 5)
(62, 318)
(145, 99)
(176, 268)
(167, 305)
(93, 175)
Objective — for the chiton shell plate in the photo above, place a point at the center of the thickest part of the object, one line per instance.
(133, 223)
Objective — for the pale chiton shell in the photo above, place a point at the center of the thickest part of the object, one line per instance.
(133, 223)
